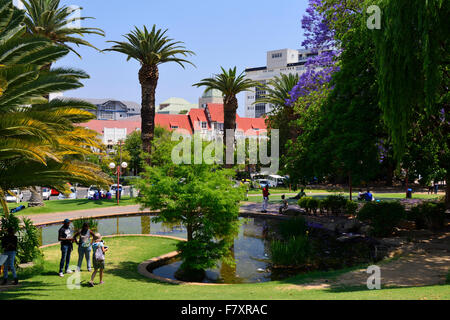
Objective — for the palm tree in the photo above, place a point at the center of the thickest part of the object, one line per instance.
(230, 84)
(48, 19)
(150, 49)
(281, 117)
(39, 142)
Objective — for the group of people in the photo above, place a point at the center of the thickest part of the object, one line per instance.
(101, 195)
(87, 242)
(365, 196)
(284, 203)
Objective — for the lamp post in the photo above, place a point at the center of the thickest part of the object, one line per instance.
(112, 165)
(124, 165)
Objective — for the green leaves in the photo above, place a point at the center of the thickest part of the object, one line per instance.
(152, 47)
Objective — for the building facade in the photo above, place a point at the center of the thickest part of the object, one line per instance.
(284, 61)
(110, 109)
(208, 122)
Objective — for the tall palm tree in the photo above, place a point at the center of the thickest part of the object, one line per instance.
(48, 19)
(150, 49)
(281, 117)
(230, 84)
(39, 142)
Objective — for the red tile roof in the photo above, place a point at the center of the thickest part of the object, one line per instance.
(198, 115)
(168, 121)
(250, 126)
(216, 112)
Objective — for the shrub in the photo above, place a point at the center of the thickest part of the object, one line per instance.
(304, 203)
(293, 227)
(428, 215)
(335, 204)
(382, 216)
(92, 222)
(313, 204)
(27, 237)
(294, 252)
(351, 207)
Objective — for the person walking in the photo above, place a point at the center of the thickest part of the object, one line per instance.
(83, 239)
(98, 257)
(265, 199)
(9, 245)
(284, 205)
(65, 236)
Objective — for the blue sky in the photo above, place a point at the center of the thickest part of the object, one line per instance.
(221, 33)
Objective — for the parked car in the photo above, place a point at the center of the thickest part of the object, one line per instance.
(91, 191)
(46, 193)
(276, 181)
(114, 188)
(16, 196)
(54, 192)
(72, 195)
(261, 183)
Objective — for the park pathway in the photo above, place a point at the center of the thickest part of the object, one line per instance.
(57, 217)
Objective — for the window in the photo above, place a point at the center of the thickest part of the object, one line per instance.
(107, 115)
(277, 55)
(174, 127)
(260, 92)
(260, 110)
(204, 125)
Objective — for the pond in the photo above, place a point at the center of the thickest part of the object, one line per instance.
(250, 251)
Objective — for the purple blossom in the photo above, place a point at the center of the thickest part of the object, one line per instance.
(320, 38)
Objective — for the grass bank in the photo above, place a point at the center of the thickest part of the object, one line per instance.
(122, 281)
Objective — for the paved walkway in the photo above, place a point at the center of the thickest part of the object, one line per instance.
(56, 217)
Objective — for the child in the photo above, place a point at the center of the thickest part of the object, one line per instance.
(98, 257)
(285, 205)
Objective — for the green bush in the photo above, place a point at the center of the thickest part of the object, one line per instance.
(335, 204)
(313, 205)
(293, 227)
(294, 252)
(27, 237)
(304, 203)
(351, 207)
(382, 216)
(92, 222)
(428, 215)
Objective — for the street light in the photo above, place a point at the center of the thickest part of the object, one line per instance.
(124, 165)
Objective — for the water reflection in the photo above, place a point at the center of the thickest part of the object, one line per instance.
(250, 251)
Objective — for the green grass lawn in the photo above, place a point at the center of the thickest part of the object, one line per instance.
(70, 205)
(122, 281)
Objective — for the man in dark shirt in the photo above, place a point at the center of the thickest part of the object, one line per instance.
(9, 245)
(65, 236)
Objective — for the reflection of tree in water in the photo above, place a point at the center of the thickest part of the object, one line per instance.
(145, 224)
(228, 270)
(171, 226)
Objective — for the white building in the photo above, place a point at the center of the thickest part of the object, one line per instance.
(279, 62)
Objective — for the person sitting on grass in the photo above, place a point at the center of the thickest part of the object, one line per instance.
(98, 257)
(285, 205)
(369, 196)
(9, 245)
(361, 195)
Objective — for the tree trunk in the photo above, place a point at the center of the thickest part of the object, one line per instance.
(148, 78)
(350, 185)
(36, 197)
(230, 106)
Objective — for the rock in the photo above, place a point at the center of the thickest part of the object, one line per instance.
(294, 212)
(351, 225)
